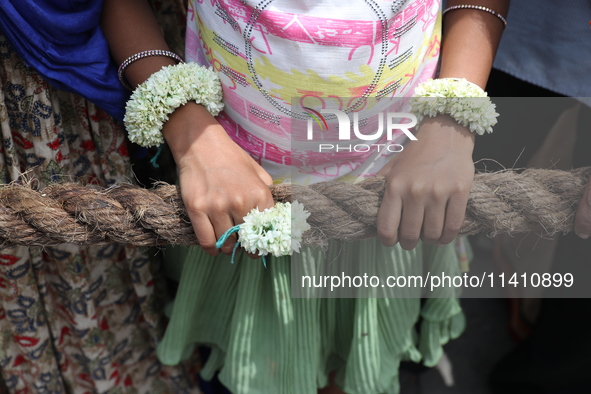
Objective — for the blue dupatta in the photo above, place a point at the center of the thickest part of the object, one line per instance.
(63, 41)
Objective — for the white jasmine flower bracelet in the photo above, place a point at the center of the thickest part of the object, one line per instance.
(464, 101)
(276, 230)
(169, 88)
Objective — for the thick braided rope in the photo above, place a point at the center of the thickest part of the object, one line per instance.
(540, 201)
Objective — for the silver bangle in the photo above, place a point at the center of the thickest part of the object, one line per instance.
(476, 7)
(141, 55)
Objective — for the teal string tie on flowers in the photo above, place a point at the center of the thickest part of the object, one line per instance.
(277, 231)
(154, 160)
(220, 242)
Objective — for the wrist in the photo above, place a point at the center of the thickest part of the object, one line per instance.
(478, 79)
(191, 129)
(445, 132)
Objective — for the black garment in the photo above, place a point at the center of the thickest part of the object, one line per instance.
(527, 112)
(555, 358)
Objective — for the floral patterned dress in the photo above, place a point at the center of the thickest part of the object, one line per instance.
(73, 319)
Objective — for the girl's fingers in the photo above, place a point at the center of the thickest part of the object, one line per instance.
(222, 222)
(434, 221)
(454, 218)
(205, 233)
(411, 222)
(253, 255)
(389, 219)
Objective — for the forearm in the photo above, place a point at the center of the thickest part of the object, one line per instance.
(130, 27)
(470, 40)
(220, 183)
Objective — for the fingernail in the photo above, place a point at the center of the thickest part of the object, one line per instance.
(583, 235)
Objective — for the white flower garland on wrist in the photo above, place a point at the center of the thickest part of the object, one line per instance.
(169, 88)
(464, 101)
(277, 231)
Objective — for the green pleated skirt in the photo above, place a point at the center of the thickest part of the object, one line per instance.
(264, 341)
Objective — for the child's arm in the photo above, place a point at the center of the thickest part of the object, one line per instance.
(429, 182)
(220, 182)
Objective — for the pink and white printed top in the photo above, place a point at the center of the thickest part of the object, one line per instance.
(268, 52)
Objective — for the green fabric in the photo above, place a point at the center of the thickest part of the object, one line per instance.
(265, 342)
